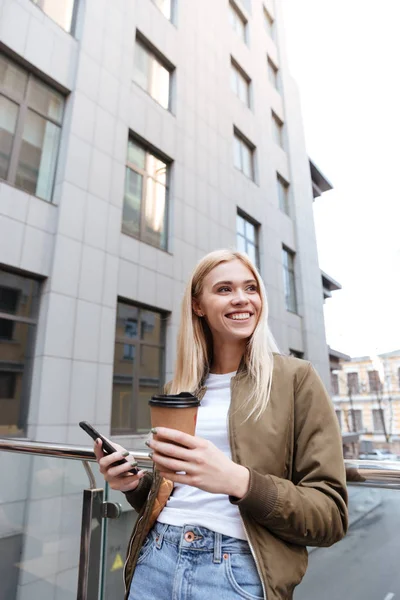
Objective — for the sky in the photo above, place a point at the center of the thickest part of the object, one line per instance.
(345, 58)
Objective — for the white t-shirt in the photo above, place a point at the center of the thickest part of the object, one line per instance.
(189, 505)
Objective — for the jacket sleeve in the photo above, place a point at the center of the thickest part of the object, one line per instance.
(311, 509)
(138, 497)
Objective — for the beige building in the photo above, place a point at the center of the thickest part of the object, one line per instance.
(366, 394)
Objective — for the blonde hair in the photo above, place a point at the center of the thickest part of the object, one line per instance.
(195, 339)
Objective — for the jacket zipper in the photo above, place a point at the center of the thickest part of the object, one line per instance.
(241, 516)
(254, 555)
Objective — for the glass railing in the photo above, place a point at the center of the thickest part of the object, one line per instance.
(54, 509)
(64, 534)
(365, 564)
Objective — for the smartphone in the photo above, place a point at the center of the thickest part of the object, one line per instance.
(107, 447)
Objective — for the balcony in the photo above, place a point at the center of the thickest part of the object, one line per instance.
(64, 533)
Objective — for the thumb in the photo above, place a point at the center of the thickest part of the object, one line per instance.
(98, 451)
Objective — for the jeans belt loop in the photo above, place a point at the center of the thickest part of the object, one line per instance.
(217, 547)
(160, 534)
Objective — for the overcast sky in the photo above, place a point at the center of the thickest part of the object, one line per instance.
(345, 57)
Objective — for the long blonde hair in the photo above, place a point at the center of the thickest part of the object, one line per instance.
(195, 340)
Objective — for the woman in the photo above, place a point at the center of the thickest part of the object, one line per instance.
(262, 479)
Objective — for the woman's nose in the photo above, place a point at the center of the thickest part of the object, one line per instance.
(240, 297)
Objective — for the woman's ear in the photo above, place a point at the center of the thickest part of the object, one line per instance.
(196, 308)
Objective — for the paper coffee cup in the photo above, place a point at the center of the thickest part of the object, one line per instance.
(177, 411)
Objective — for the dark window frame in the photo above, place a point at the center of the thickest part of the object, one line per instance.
(269, 23)
(137, 342)
(23, 109)
(278, 130)
(172, 17)
(238, 15)
(289, 276)
(12, 384)
(148, 149)
(374, 382)
(284, 204)
(241, 73)
(353, 382)
(356, 419)
(273, 68)
(378, 420)
(72, 27)
(162, 60)
(251, 147)
(11, 365)
(247, 241)
(335, 384)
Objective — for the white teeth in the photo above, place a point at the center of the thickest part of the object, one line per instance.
(239, 316)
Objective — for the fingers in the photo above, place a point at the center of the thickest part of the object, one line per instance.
(165, 463)
(119, 470)
(178, 437)
(109, 459)
(97, 449)
(171, 450)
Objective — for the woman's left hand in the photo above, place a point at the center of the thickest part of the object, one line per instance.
(204, 465)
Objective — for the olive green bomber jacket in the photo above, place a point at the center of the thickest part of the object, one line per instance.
(297, 494)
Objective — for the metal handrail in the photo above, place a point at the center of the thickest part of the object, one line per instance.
(60, 450)
(367, 473)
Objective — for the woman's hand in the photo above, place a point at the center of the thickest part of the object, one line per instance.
(204, 465)
(117, 477)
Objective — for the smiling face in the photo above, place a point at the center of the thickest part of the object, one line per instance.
(230, 301)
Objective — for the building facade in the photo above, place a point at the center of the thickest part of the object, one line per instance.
(136, 136)
(366, 394)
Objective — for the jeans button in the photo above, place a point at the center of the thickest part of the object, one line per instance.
(189, 536)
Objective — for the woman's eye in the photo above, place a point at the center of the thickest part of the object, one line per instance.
(252, 288)
(224, 289)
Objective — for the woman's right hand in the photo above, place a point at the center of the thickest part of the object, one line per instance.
(117, 477)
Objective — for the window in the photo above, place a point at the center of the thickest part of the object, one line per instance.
(277, 130)
(398, 377)
(243, 155)
(138, 367)
(247, 237)
(283, 194)
(61, 11)
(166, 7)
(339, 417)
(273, 73)
(30, 124)
(374, 381)
(296, 353)
(269, 24)
(377, 420)
(240, 83)
(238, 22)
(353, 385)
(247, 5)
(289, 283)
(151, 74)
(335, 384)
(19, 298)
(355, 420)
(145, 207)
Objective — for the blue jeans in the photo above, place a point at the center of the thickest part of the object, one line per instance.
(194, 563)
